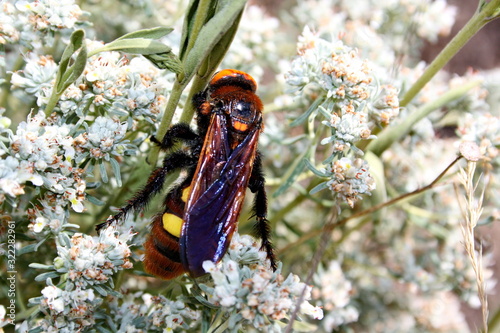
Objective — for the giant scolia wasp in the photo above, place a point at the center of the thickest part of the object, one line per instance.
(221, 160)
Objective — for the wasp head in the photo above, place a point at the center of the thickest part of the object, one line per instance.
(232, 94)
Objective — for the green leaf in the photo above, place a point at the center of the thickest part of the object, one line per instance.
(142, 42)
(318, 188)
(116, 170)
(94, 200)
(64, 239)
(211, 34)
(40, 266)
(135, 46)
(73, 72)
(168, 61)
(44, 276)
(317, 172)
(104, 174)
(314, 107)
(67, 74)
(187, 29)
(100, 290)
(75, 42)
(153, 33)
(27, 249)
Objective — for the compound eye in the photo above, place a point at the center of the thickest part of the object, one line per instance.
(243, 109)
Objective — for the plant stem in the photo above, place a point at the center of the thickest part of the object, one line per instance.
(489, 12)
(168, 115)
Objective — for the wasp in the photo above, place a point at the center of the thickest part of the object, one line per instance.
(221, 161)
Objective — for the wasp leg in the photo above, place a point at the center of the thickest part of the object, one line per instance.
(156, 180)
(262, 228)
(178, 132)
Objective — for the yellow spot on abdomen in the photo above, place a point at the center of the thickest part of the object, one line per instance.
(172, 224)
(185, 194)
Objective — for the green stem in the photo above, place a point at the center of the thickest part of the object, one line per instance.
(51, 104)
(188, 112)
(479, 20)
(168, 115)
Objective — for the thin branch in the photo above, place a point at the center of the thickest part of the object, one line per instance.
(329, 228)
(325, 238)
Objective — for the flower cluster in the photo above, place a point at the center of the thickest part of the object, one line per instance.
(385, 105)
(67, 310)
(430, 18)
(89, 262)
(379, 27)
(261, 297)
(119, 86)
(142, 312)
(92, 260)
(343, 89)
(334, 293)
(483, 130)
(33, 23)
(37, 77)
(104, 139)
(8, 32)
(169, 315)
(43, 153)
(49, 216)
(50, 14)
(350, 179)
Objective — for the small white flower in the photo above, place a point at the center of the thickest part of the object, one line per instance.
(57, 304)
(314, 311)
(51, 292)
(40, 223)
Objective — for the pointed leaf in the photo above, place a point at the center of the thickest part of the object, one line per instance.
(44, 276)
(116, 170)
(210, 35)
(167, 60)
(75, 42)
(317, 172)
(153, 33)
(74, 71)
(318, 188)
(135, 46)
(314, 107)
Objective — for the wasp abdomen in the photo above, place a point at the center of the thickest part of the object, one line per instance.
(162, 247)
(162, 252)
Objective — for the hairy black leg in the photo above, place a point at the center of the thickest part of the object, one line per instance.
(178, 132)
(156, 180)
(262, 228)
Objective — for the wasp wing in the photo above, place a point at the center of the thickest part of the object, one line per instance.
(217, 194)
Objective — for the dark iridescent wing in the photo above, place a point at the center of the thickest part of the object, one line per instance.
(217, 194)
